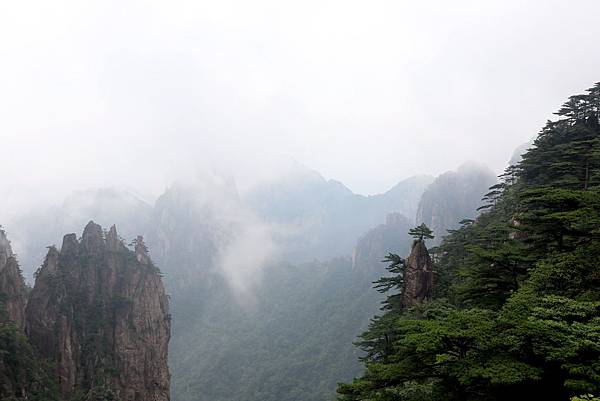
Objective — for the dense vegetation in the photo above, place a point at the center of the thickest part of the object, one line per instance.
(516, 310)
(290, 342)
(23, 374)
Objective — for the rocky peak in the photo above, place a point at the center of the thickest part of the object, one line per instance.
(92, 239)
(100, 315)
(70, 244)
(418, 276)
(5, 249)
(12, 286)
(113, 242)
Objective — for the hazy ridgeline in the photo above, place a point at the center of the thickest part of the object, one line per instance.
(228, 270)
(269, 289)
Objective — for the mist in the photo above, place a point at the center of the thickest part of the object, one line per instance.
(139, 94)
(308, 196)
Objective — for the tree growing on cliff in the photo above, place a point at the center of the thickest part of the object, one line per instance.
(517, 314)
(421, 232)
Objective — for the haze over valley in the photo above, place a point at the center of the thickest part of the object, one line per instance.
(299, 201)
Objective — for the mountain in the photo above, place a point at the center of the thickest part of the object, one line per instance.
(321, 219)
(35, 230)
(244, 342)
(282, 344)
(514, 311)
(372, 246)
(96, 325)
(518, 153)
(254, 283)
(12, 286)
(452, 197)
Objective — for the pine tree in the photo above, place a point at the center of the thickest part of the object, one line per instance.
(421, 232)
(516, 313)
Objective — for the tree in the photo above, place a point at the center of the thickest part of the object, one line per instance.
(516, 313)
(421, 232)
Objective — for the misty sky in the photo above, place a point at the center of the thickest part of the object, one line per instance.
(139, 93)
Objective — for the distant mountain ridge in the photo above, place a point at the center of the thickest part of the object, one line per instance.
(452, 197)
(249, 273)
(324, 216)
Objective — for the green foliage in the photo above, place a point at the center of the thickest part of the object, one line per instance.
(585, 397)
(23, 374)
(292, 342)
(516, 313)
(421, 232)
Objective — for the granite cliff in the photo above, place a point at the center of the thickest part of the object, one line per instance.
(13, 295)
(96, 325)
(418, 276)
(452, 197)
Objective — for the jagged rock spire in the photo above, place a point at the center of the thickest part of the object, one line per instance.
(113, 242)
(418, 276)
(92, 239)
(103, 293)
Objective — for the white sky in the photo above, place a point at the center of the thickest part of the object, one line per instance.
(138, 93)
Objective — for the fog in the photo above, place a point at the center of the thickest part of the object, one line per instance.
(141, 93)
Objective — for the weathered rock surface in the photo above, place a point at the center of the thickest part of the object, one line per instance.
(16, 370)
(13, 296)
(418, 276)
(99, 312)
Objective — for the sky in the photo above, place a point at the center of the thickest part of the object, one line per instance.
(141, 93)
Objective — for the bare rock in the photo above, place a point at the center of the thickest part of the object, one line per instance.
(101, 316)
(418, 276)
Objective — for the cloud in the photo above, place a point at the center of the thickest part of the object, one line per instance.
(104, 93)
(243, 259)
(202, 227)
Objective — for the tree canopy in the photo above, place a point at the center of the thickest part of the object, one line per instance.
(516, 311)
(421, 232)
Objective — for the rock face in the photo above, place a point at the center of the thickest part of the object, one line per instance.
(13, 296)
(17, 367)
(36, 229)
(452, 197)
(418, 276)
(372, 247)
(323, 217)
(99, 313)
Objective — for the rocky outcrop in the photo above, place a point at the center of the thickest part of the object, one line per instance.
(12, 287)
(46, 225)
(418, 276)
(99, 313)
(22, 376)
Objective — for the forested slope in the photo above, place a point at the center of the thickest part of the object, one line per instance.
(515, 310)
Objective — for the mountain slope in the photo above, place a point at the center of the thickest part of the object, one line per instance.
(322, 219)
(516, 312)
(452, 197)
